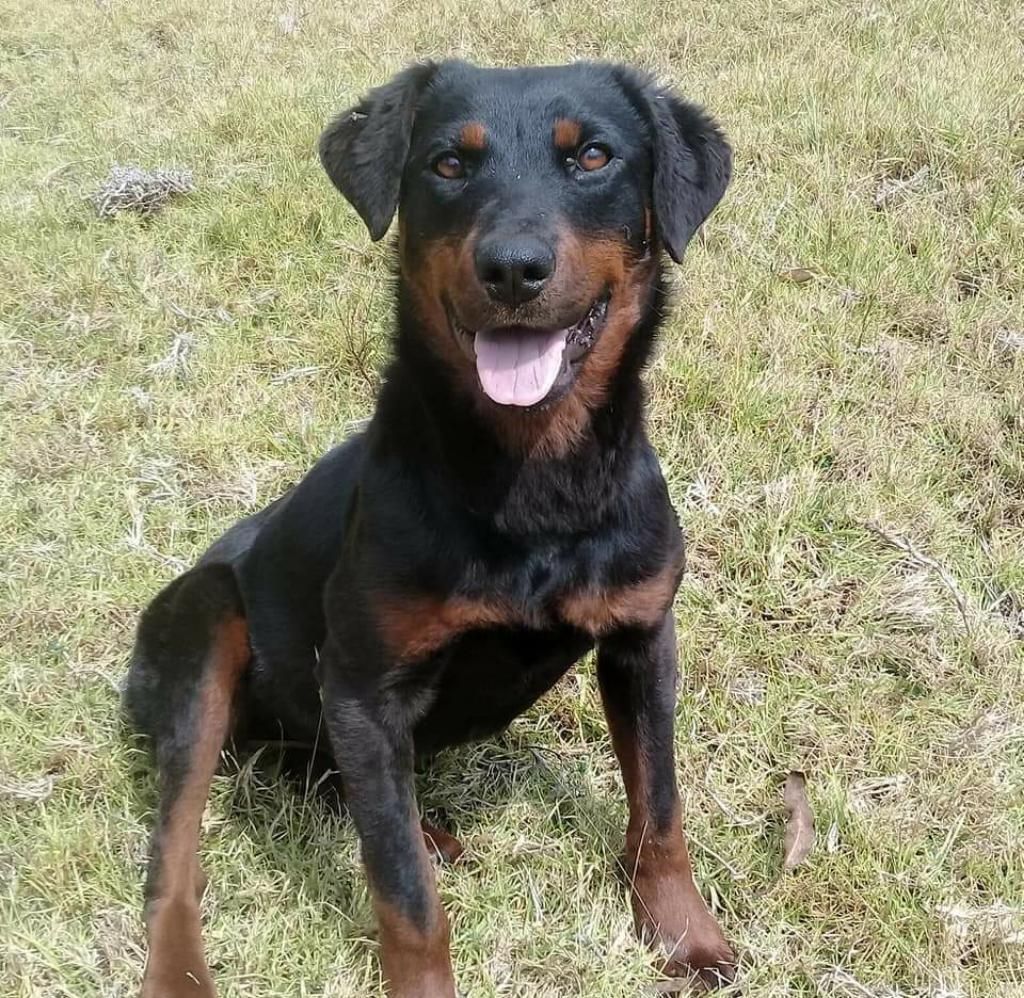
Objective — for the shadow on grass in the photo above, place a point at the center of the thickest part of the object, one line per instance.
(284, 794)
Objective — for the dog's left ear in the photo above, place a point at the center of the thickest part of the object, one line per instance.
(365, 148)
(692, 160)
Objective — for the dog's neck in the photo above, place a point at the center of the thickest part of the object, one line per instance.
(559, 467)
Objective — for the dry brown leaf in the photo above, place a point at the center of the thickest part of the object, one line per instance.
(799, 840)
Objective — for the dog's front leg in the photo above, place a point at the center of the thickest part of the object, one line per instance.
(637, 672)
(370, 732)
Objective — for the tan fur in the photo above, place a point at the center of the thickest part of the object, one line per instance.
(567, 133)
(176, 965)
(473, 137)
(602, 610)
(440, 843)
(667, 907)
(414, 959)
(414, 626)
(587, 266)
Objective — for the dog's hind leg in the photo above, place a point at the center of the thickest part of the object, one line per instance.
(191, 651)
(442, 846)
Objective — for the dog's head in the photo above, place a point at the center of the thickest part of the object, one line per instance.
(533, 204)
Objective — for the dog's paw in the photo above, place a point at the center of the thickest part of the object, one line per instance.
(691, 944)
(166, 982)
(708, 958)
(176, 967)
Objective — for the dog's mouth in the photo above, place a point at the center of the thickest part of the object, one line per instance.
(523, 365)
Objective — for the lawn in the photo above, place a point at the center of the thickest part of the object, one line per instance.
(838, 406)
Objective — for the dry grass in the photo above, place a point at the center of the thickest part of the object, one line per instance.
(839, 407)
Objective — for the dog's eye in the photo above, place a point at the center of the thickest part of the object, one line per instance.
(592, 157)
(449, 166)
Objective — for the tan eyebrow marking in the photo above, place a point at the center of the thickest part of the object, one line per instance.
(567, 133)
(473, 136)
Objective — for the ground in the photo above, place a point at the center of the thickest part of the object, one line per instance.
(837, 402)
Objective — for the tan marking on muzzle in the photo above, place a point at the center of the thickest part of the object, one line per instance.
(588, 266)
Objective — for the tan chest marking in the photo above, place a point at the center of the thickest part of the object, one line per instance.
(414, 626)
(600, 611)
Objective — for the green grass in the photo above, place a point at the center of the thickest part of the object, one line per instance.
(847, 454)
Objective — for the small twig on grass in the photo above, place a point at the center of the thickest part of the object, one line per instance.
(996, 924)
(890, 190)
(28, 790)
(841, 982)
(921, 560)
(735, 873)
(1011, 339)
(309, 371)
(176, 360)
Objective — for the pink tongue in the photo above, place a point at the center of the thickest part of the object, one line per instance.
(518, 366)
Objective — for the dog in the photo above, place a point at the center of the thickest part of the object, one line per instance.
(502, 514)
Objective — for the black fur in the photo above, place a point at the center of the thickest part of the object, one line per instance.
(692, 160)
(364, 149)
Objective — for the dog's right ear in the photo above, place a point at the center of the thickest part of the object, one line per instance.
(365, 148)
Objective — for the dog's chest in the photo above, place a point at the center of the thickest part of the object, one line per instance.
(413, 626)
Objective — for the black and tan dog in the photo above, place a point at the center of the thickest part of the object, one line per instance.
(503, 513)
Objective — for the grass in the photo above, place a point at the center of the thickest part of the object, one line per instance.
(845, 445)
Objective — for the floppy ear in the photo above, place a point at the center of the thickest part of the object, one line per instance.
(365, 148)
(692, 161)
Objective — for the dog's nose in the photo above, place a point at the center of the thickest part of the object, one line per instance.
(514, 271)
